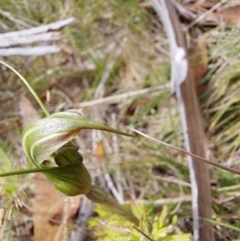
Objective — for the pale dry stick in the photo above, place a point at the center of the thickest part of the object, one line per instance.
(233, 196)
(79, 232)
(19, 40)
(112, 187)
(188, 153)
(41, 29)
(223, 189)
(173, 180)
(183, 10)
(27, 51)
(201, 17)
(161, 202)
(120, 97)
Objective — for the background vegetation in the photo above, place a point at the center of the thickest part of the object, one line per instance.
(118, 47)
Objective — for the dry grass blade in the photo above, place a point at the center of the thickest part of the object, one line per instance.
(201, 17)
(188, 153)
(221, 102)
(118, 98)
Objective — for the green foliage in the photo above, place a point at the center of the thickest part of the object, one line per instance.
(226, 179)
(152, 226)
(221, 105)
(124, 23)
(9, 186)
(226, 225)
(46, 144)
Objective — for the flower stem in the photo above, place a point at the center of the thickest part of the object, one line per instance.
(42, 170)
(29, 87)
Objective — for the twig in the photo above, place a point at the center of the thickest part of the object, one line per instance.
(120, 97)
(166, 201)
(228, 199)
(36, 51)
(182, 80)
(183, 10)
(224, 189)
(84, 213)
(204, 15)
(189, 15)
(110, 184)
(41, 29)
(173, 180)
(32, 35)
(19, 40)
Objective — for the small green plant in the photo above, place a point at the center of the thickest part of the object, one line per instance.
(158, 227)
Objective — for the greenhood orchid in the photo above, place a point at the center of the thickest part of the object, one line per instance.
(47, 145)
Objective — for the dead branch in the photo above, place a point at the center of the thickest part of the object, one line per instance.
(183, 85)
(19, 40)
(45, 33)
(41, 29)
(35, 51)
(118, 98)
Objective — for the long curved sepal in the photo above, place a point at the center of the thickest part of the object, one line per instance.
(44, 137)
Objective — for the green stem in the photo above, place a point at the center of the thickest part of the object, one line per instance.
(36, 170)
(29, 87)
(14, 173)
